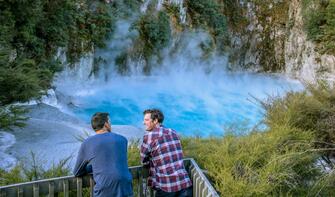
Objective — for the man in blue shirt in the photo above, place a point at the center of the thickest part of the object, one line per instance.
(106, 155)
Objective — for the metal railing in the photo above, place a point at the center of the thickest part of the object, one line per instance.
(83, 186)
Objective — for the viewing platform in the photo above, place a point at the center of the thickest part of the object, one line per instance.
(83, 186)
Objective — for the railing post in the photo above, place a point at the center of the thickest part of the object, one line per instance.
(205, 191)
(36, 190)
(194, 178)
(51, 189)
(66, 188)
(197, 182)
(91, 186)
(2, 193)
(19, 192)
(79, 187)
(202, 188)
(140, 182)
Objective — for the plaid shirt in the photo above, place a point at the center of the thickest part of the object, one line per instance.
(161, 150)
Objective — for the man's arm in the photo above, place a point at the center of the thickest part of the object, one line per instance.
(145, 151)
(80, 168)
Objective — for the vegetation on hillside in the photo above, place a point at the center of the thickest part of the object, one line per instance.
(319, 20)
(155, 34)
(236, 15)
(155, 29)
(31, 34)
(208, 14)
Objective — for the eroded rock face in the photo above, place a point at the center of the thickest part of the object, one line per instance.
(275, 41)
(261, 41)
(301, 59)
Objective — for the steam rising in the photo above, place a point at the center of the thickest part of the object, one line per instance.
(190, 84)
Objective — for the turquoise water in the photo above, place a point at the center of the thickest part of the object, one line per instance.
(193, 104)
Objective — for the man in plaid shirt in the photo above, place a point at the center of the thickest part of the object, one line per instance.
(161, 151)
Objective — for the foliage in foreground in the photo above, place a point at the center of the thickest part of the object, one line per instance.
(311, 111)
(277, 162)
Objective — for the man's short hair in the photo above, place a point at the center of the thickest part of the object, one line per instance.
(155, 114)
(99, 119)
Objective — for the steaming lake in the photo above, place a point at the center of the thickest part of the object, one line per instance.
(194, 104)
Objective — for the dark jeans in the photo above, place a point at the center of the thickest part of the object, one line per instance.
(188, 192)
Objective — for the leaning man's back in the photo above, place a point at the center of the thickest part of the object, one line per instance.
(107, 154)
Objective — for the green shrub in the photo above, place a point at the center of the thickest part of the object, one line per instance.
(92, 25)
(236, 15)
(126, 8)
(134, 158)
(121, 63)
(276, 162)
(22, 80)
(207, 13)
(154, 35)
(12, 115)
(34, 170)
(154, 30)
(12, 176)
(313, 111)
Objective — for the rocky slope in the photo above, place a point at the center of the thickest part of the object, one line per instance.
(275, 39)
(301, 59)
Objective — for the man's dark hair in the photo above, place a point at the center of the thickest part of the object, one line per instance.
(99, 119)
(155, 114)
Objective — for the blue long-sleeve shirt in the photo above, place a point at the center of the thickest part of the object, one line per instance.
(107, 154)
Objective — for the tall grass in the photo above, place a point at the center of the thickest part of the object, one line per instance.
(34, 170)
(269, 163)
